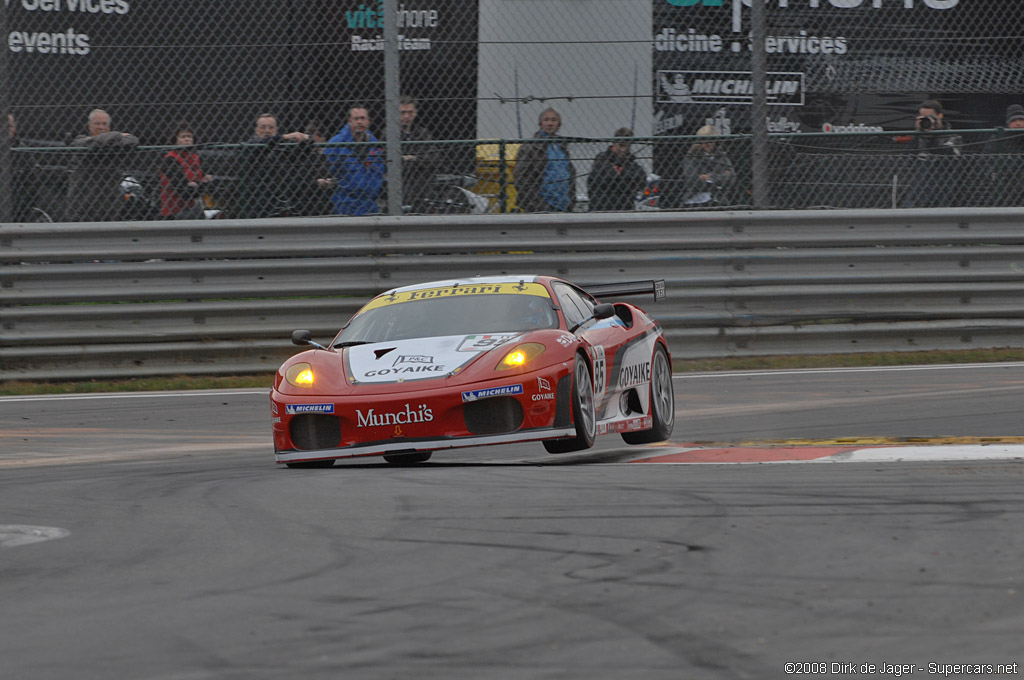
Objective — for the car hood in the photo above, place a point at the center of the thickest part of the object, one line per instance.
(404, 361)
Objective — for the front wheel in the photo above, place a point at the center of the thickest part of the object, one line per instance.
(663, 403)
(584, 413)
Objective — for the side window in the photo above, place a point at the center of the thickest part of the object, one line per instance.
(586, 301)
(572, 313)
(573, 305)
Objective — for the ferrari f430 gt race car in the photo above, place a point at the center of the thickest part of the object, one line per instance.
(477, 361)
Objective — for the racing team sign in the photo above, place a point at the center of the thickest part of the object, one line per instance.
(219, 63)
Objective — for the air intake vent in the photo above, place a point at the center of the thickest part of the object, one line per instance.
(311, 431)
(493, 416)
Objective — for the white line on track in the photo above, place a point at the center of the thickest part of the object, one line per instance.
(851, 369)
(912, 453)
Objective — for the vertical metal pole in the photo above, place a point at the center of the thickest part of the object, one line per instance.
(6, 173)
(515, 92)
(502, 178)
(636, 81)
(392, 93)
(759, 106)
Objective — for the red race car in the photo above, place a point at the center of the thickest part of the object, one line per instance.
(477, 361)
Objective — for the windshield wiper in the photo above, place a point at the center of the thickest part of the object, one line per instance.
(352, 343)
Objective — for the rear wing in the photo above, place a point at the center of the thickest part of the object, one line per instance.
(606, 290)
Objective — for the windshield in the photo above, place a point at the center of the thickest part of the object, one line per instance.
(465, 315)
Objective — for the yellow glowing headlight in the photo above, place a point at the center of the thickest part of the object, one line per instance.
(300, 375)
(520, 356)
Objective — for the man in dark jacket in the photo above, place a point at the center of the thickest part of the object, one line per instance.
(280, 178)
(615, 177)
(419, 161)
(933, 182)
(544, 177)
(94, 193)
(1007, 158)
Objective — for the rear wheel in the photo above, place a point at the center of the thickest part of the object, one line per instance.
(663, 402)
(584, 413)
(402, 459)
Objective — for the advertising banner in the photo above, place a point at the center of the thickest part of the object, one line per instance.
(835, 65)
(220, 63)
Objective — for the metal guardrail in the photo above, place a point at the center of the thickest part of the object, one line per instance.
(222, 297)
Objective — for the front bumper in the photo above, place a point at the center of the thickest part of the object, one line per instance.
(520, 408)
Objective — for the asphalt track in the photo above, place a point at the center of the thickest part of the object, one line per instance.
(876, 517)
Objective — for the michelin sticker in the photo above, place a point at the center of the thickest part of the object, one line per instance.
(502, 391)
(292, 409)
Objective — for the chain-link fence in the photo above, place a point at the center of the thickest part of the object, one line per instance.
(260, 108)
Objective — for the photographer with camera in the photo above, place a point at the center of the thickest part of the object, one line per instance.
(932, 183)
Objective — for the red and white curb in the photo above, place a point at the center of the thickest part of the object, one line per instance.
(675, 454)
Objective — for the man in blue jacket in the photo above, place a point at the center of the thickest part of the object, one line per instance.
(359, 170)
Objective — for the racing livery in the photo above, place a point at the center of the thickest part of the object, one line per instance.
(476, 361)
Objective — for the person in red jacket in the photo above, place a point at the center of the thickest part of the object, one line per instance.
(181, 178)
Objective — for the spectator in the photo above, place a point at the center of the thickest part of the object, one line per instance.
(615, 177)
(419, 162)
(320, 199)
(359, 170)
(544, 176)
(182, 178)
(932, 182)
(280, 178)
(1008, 160)
(94, 184)
(315, 131)
(266, 131)
(707, 172)
(1015, 117)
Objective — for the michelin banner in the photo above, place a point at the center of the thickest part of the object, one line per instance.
(833, 65)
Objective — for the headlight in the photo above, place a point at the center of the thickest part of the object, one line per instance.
(299, 375)
(520, 356)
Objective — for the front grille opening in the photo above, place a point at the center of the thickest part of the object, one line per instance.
(564, 404)
(497, 415)
(310, 431)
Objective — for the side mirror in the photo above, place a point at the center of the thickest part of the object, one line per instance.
(302, 337)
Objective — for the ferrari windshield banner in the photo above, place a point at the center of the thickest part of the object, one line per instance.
(459, 291)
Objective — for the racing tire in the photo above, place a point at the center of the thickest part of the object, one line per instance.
(584, 412)
(311, 464)
(405, 459)
(663, 402)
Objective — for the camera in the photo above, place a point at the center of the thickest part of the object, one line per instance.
(927, 122)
